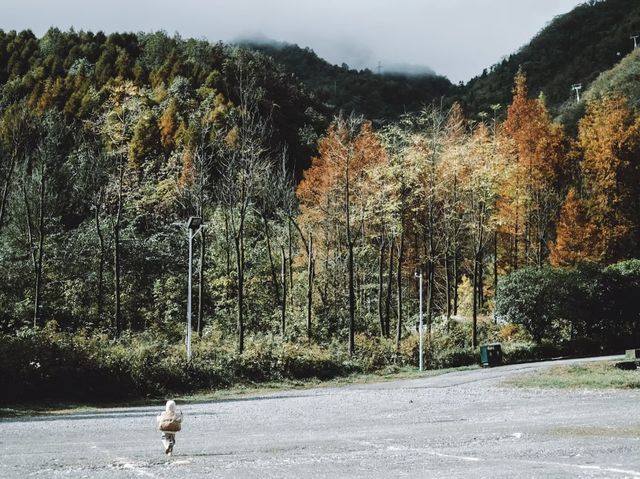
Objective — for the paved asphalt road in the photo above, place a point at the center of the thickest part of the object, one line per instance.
(463, 424)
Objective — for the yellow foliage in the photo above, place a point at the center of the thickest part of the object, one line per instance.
(169, 125)
(609, 136)
(513, 332)
(232, 138)
(186, 176)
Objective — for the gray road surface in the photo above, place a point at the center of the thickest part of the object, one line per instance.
(463, 424)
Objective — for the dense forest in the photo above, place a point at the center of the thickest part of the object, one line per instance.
(378, 96)
(316, 219)
(74, 72)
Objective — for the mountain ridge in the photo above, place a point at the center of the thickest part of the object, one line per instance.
(572, 48)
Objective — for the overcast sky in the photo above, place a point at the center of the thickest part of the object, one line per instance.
(456, 38)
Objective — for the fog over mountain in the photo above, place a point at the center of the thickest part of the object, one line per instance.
(405, 69)
(456, 38)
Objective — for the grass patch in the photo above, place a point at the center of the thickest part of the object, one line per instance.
(580, 376)
(235, 392)
(597, 431)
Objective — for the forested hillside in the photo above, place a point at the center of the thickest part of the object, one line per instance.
(107, 141)
(380, 97)
(573, 48)
(621, 80)
(75, 72)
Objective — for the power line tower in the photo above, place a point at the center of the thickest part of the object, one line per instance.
(635, 40)
(379, 68)
(577, 87)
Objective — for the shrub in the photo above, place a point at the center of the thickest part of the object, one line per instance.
(453, 358)
(513, 332)
(531, 297)
(310, 361)
(587, 303)
(527, 351)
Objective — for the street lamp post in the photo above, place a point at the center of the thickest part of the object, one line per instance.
(194, 226)
(419, 276)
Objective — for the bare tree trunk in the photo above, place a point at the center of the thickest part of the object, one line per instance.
(116, 256)
(474, 336)
(447, 284)
(27, 207)
(430, 274)
(352, 301)
(527, 235)
(526, 219)
(430, 278)
(455, 280)
(350, 267)
(32, 247)
(290, 241)
(239, 243)
(283, 299)
(515, 243)
(387, 302)
(480, 280)
(310, 268)
(381, 285)
(227, 243)
(5, 191)
(454, 272)
(540, 246)
(274, 280)
(361, 276)
(399, 288)
(359, 289)
(101, 259)
(38, 292)
(324, 291)
(203, 240)
(495, 266)
(477, 271)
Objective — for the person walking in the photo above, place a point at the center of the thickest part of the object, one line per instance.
(169, 423)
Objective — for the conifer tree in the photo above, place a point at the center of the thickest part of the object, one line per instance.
(609, 137)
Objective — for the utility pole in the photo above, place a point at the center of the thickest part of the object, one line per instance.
(577, 87)
(635, 40)
(419, 276)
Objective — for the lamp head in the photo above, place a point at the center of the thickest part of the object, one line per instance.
(194, 223)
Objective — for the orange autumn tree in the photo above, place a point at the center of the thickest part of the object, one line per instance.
(609, 137)
(332, 201)
(169, 124)
(574, 241)
(532, 194)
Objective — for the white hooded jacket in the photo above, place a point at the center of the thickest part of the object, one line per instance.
(170, 420)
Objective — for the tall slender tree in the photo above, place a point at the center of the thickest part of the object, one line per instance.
(609, 137)
(533, 193)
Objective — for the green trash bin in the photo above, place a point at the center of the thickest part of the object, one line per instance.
(491, 355)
